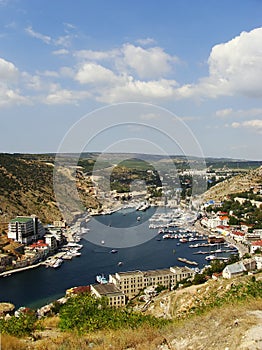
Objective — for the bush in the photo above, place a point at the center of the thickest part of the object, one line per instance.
(20, 326)
(85, 313)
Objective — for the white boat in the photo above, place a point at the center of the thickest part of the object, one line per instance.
(57, 263)
(210, 257)
(74, 245)
(101, 279)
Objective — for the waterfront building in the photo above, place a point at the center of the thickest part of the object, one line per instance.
(25, 230)
(50, 240)
(115, 296)
(132, 282)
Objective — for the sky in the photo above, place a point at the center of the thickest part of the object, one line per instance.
(190, 67)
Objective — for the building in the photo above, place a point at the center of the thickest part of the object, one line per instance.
(132, 282)
(50, 240)
(257, 245)
(115, 296)
(25, 230)
(258, 259)
(233, 270)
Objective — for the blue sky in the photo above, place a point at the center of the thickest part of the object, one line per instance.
(201, 60)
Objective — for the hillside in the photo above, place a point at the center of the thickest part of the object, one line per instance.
(217, 315)
(26, 181)
(236, 184)
(27, 188)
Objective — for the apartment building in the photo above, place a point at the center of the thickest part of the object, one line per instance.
(132, 282)
(115, 296)
(25, 230)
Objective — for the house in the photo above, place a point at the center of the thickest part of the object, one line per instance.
(257, 245)
(233, 270)
(115, 296)
(238, 236)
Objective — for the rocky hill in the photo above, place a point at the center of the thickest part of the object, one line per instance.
(26, 187)
(236, 184)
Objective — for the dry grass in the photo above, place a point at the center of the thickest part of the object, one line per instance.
(9, 342)
(214, 330)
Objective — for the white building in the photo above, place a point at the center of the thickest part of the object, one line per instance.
(132, 282)
(233, 270)
(25, 229)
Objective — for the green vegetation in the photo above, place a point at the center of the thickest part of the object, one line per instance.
(23, 325)
(85, 313)
(131, 170)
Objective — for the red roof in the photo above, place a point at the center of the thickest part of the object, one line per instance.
(225, 217)
(238, 233)
(257, 243)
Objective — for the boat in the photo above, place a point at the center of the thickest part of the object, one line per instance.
(113, 251)
(189, 262)
(101, 279)
(120, 263)
(57, 263)
(210, 257)
(138, 218)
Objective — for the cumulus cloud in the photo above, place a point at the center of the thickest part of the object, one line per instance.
(9, 78)
(147, 63)
(90, 73)
(137, 90)
(8, 71)
(235, 68)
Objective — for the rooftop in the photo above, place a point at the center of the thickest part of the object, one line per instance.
(21, 219)
(106, 289)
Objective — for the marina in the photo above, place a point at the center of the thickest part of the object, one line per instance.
(38, 286)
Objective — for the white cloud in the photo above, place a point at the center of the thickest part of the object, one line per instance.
(9, 78)
(137, 90)
(8, 71)
(97, 55)
(147, 63)
(64, 96)
(240, 113)
(235, 68)
(45, 38)
(91, 73)
(222, 113)
(61, 52)
(64, 41)
(146, 41)
(255, 125)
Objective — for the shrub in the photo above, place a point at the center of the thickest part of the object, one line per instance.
(85, 313)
